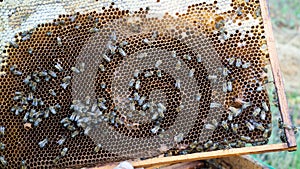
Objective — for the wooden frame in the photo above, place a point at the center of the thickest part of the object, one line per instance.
(283, 106)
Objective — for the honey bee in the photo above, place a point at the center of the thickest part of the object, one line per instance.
(58, 67)
(57, 158)
(266, 133)
(37, 122)
(212, 77)
(245, 138)
(64, 152)
(229, 86)
(231, 60)
(103, 85)
(131, 82)
(187, 57)
(178, 65)
(178, 138)
(155, 129)
(132, 106)
(250, 126)
(52, 110)
(123, 43)
(146, 41)
(179, 108)
(265, 106)
(215, 123)
(208, 144)
(214, 146)
(173, 54)
(191, 72)
(2, 146)
(72, 18)
(199, 58)
(74, 134)
(14, 44)
(259, 126)
(25, 118)
(177, 84)
(105, 57)
(97, 148)
(246, 105)
(224, 87)
(256, 111)
(49, 33)
(122, 52)
(158, 63)
(2, 130)
(210, 126)
(224, 125)
(198, 97)
(53, 74)
(258, 12)
(145, 106)
(23, 164)
(220, 24)
(75, 70)
(94, 30)
(246, 65)
(58, 39)
(263, 115)
(137, 84)
(30, 51)
(159, 73)
(239, 11)
(225, 71)
(148, 73)
(64, 85)
(43, 143)
(102, 68)
(3, 161)
(234, 128)
(87, 130)
(136, 73)
(215, 105)
(259, 88)
(61, 141)
(238, 62)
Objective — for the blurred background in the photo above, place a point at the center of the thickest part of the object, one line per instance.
(285, 16)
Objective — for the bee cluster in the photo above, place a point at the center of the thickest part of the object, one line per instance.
(99, 87)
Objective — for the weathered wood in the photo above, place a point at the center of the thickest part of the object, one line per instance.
(283, 106)
(213, 154)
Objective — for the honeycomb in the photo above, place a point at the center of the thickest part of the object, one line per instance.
(133, 80)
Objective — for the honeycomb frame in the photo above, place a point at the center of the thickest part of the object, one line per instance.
(146, 40)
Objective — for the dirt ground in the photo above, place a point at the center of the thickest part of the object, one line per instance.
(288, 49)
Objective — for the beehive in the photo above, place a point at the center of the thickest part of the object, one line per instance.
(105, 82)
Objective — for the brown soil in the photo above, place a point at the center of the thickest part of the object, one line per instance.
(288, 49)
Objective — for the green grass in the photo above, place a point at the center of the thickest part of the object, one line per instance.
(285, 13)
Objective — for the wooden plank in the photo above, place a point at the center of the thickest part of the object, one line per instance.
(213, 154)
(283, 106)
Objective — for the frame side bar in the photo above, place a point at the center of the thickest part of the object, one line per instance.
(283, 106)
